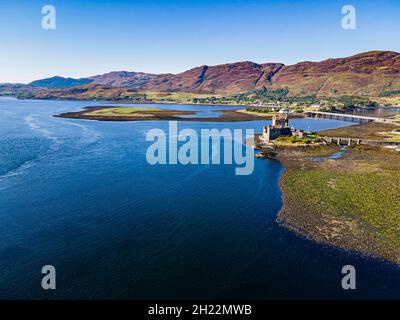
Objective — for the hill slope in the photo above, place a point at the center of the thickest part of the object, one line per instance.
(370, 74)
(59, 82)
(123, 79)
(367, 74)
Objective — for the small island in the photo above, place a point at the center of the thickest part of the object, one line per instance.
(124, 114)
(107, 113)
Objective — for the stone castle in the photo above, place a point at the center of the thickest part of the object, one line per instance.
(280, 127)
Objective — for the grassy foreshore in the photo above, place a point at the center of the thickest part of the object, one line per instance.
(351, 201)
(370, 131)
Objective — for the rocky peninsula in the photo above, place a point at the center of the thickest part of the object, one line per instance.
(343, 196)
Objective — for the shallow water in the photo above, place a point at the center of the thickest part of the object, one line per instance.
(80, 195)
(336, 155)
(375, 112)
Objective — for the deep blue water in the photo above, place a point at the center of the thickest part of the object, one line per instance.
(80, 195)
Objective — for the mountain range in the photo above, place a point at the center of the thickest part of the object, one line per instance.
(369, 74)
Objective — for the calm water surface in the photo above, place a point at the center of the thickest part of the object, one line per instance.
(80, 195)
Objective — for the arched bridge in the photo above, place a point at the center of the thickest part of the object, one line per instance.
(355, 141)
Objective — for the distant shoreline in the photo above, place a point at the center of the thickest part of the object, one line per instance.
(136, 102)
(127, 102)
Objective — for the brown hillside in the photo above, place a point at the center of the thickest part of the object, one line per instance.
(226, 78)
(363, 74)
(367, 74)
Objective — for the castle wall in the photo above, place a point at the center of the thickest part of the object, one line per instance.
(274, 133)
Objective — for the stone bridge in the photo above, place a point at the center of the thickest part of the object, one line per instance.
(356, 141)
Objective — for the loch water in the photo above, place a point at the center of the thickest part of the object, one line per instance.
(80, 195)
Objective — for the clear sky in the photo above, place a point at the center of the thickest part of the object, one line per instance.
(159, 36)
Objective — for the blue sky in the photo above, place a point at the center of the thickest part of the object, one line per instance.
(159, 36)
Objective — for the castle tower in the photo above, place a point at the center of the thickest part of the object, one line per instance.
(280, 122)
